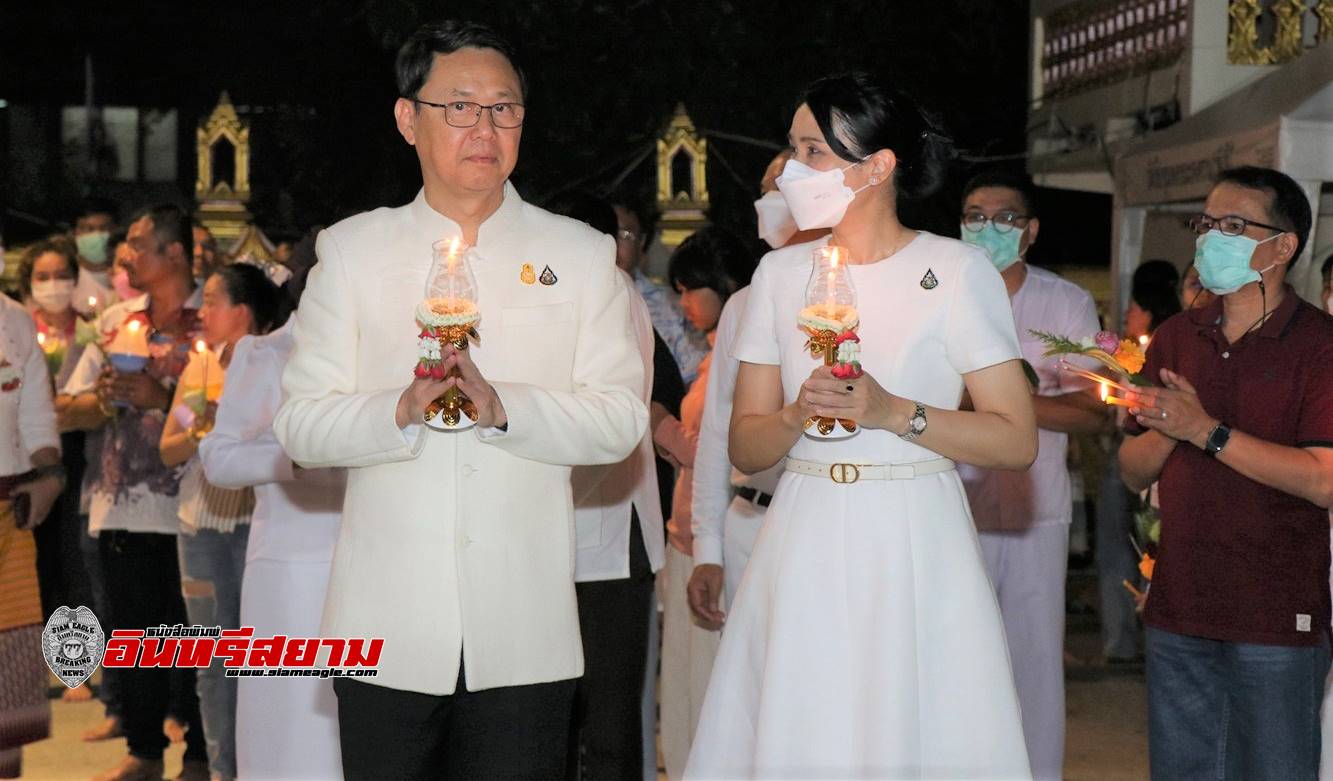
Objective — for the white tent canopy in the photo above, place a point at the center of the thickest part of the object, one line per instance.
(1282, 121)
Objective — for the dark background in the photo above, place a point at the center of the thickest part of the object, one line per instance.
(316, 81)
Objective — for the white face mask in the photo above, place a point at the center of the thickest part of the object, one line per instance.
(53, 295)
(776, 225)
(817, 199)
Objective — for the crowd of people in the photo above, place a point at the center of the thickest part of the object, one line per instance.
(638, 537)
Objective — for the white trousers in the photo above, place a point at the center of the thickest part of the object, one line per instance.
(1027, 569)
(739, 530)
(286, 728)
(687, 662)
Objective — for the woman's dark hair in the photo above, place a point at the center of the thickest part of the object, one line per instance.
(249, 285)
(861, 114)
(60, 244)
(714, 258)
(417, 55)
(1154, 289)
(113, 241)
(585, 207)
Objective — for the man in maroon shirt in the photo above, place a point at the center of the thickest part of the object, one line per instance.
(1240, 438)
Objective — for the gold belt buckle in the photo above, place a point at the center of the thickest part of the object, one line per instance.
(844, 474)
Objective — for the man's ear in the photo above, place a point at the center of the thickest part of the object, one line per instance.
(1286, 248)
(405, 116)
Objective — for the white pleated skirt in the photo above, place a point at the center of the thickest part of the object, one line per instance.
(865, 642)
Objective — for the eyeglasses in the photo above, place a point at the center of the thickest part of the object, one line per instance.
(465, 113)
(1003, 221)
(1230, 225)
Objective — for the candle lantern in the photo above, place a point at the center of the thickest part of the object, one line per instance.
(448, 315)
(829, 319)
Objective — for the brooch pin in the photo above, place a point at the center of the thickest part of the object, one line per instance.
(527, 275)
(929, 282)
(548, 276)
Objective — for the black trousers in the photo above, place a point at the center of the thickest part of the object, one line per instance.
(607, 733)
(511, 732)
(62, 575)
(143, 585)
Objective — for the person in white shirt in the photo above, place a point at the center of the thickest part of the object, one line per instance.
(29, 465)
(457, 547)
(1023, 517)
(729, 505)
(93, 226)
(286, 728)
(620, 542)
(706, 269)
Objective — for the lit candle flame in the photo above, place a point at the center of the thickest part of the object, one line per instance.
(134, 326)
(1106, 391)
(453, 252)
(41, 338)
(92, 302)
(201, 347)
(1143, 341)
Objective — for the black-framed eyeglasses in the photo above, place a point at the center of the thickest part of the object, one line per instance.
(466, 113)
(1230, 225)
(1003, 221)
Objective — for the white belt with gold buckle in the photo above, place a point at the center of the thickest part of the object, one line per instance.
(846, 473)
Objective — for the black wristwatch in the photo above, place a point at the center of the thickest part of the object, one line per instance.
(1217, 439)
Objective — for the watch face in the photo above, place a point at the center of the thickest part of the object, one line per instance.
(918, 424)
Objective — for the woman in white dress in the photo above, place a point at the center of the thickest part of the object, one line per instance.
(866, 641)
(286, 728)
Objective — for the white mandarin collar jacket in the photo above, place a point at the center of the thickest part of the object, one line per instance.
(462, 540)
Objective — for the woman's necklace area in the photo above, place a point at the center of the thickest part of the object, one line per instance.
(905, 237)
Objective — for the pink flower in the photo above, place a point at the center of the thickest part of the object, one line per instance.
(1106, 341)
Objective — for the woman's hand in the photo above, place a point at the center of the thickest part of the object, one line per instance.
(863, 400)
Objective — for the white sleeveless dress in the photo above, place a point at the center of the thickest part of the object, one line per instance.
(866, 641)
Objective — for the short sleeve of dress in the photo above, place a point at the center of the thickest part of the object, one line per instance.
(980, 330)
(757, 339)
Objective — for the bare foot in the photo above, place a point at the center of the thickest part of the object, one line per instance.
(133, 769)
(109, 729)
(80, 693)
(174, 730)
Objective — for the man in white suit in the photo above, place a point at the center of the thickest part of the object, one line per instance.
(457, 548)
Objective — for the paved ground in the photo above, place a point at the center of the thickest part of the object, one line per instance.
(1106, 731)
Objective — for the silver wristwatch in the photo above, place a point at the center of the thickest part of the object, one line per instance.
(916, 425)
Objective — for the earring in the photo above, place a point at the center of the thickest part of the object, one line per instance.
(874, 179)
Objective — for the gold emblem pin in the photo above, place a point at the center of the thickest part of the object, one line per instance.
(527, 275)
(548, 276)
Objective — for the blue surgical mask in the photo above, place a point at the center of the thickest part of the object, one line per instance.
(92, 246)
(1224, 261)
(1001, 247)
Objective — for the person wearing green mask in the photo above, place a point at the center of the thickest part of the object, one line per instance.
(1023, 518)
(1238, 433)
(93, 226)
